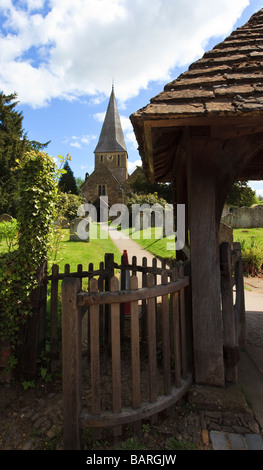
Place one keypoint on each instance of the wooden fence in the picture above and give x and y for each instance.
(233, 306)
(123, 382)
(104, 273)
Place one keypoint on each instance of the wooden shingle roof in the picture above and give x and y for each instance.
(226, 81)
(222, 93)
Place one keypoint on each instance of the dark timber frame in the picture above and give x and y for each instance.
(203, 133)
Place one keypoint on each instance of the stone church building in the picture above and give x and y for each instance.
(110, 175)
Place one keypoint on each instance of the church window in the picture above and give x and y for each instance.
(118, 160)
(102, 190)
(101, 158)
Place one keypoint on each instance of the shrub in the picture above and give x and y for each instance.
(36, 194)
(252, 256)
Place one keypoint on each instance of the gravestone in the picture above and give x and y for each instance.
(225, 233)
(79, 230)
(5, 218)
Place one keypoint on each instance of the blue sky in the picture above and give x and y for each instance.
(61, 58)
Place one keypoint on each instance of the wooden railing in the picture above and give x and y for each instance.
(163, 353)
(233, 306)
(103, 273)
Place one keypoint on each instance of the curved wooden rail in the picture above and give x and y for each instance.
(109, 419)
(89, 298)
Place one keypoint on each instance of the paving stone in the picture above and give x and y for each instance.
(254, 441)
(237, 442)
(218, 440)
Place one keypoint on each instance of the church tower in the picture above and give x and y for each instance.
(111, 148)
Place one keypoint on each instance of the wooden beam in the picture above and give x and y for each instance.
(224, 121)
(205, 265)
(149, 151)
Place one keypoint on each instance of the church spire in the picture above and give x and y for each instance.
(111, 137)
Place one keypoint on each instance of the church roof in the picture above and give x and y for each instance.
(226, 81)
(111, 137)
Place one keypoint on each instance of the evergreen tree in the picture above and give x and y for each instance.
(241, 195)
(13, 145)
(67, 182)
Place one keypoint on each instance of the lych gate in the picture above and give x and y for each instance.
(203, 133)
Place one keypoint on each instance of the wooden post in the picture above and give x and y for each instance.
(54, 318)
(205, 266)
(116, 356)
(151, 328)
(176, 333)
(71, 362)
(123, 287)
(229, 324)
(240, 312)
(101, 307)
(109, 266)
(166, 339)
(135, 349)
(94, 352)
(144, 305)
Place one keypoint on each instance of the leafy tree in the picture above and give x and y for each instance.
(241, 195)
(13, 146)
(67, 182)
(141, 185)
(67, 206)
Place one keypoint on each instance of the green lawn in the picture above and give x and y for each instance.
(248, 235)
(74, 253)
(159, 247)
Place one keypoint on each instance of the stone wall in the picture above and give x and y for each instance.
(102, 176)
(245, 217)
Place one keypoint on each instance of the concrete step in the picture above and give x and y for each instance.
(231, 441)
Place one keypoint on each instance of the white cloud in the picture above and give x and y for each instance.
(77, 46)
(79, 141)
(132, 165)
(100, 116)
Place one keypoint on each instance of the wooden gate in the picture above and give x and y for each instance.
(153, 365)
